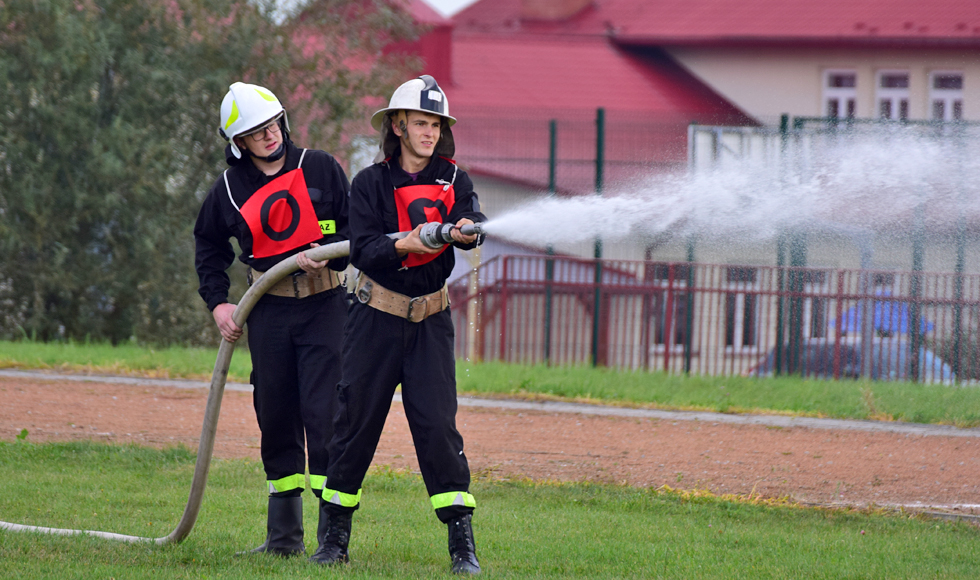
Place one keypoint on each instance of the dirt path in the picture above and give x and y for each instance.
(805, 464)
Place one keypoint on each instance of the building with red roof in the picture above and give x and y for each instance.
(510, 77)
(512, 67)
(768, 57)
(901, 22)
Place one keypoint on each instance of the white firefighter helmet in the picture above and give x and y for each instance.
(421, 94)
(244, 108)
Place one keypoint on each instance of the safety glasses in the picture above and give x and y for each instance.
(259, 134)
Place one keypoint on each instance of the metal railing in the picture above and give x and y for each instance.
(721, 319)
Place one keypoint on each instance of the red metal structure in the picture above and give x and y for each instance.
(722, 319)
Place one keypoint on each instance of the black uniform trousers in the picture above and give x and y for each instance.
(380, 351)
(295, 346)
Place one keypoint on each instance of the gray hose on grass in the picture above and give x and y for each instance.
(217, 390)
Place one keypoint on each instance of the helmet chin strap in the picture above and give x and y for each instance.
(274, 156)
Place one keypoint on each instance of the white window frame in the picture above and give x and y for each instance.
(739, 291)
(680, 293)
(948, 97)
(886, 281)
(846, 97)
(811, 303)
(894, 96)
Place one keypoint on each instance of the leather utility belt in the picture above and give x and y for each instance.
(412, 309)
(300, 285)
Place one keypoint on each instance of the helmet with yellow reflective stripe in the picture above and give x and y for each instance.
(247, 107)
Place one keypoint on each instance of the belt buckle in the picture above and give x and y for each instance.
(421, 300)
(364, 293)
(295, 286)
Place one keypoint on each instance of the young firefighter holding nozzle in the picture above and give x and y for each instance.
(278, 200)
(399, 328)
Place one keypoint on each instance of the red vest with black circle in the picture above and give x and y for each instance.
(419, 204)
(280, 215)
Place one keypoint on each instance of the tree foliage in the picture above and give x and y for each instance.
(108, 144)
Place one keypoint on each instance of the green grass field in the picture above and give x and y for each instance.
(125, 359)
(910, 402)
(523, 529)
(788, 395)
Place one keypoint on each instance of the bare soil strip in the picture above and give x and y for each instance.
(855, 463)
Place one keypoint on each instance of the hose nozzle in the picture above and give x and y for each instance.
(436, 235)
(472, 229)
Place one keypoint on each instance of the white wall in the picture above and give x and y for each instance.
(766, 82)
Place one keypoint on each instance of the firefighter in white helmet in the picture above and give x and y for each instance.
(278, 200)
(400, 330)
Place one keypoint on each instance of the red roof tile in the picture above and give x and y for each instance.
(909, 22)
(550, 73)
(506, 89)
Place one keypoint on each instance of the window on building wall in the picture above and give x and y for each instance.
(741, 307)
(892, 95)
(883, 281)
(946, 95)
(816, 307)
(678, 319)
(840, 94)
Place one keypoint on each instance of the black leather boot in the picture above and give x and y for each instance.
(333, 536)
(462, 546)
(284, 528)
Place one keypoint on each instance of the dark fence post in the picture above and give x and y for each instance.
(839, 318)
(600, 150)
(958, 293)
(781, 253)
(960, 264)
(689, 319)
(549, 264)
(797, 261)
(669, 316)
(915, 292)
(503, 310)
(689, 323)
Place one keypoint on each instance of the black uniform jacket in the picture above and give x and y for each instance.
(373, 215)
(218, 220)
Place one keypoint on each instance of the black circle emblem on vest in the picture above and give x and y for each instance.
(267, 207)
(416, 210)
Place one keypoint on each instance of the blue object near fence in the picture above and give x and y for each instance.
(891, 318)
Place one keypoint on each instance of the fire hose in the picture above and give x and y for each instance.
(433, 235)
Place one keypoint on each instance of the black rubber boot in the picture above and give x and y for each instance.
(284, 527)
(333, 536)
(462, 546)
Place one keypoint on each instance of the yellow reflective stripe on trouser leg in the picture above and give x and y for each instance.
(317, 481)
(441, 500)
(288, 483)
(340, 498)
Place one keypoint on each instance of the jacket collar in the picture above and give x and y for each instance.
(401, 178)
(252, 173)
